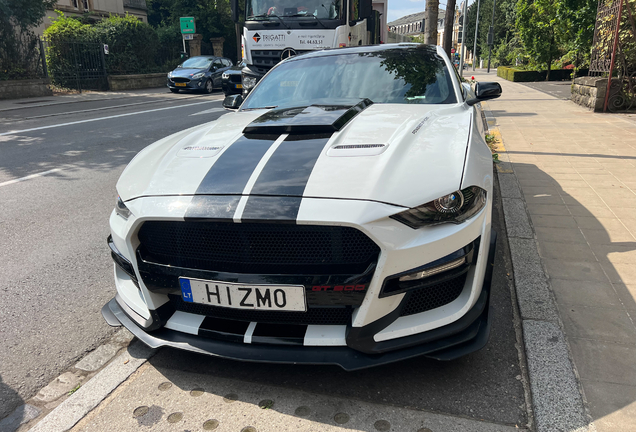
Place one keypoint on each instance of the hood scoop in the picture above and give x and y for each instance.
(313, 119)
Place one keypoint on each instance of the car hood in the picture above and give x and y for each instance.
(186, 73)
(401, 154)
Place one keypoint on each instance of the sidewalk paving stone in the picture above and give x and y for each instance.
(587, 242)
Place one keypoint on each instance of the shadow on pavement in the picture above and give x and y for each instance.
(503, 113)
(485, 385)
(9, 401)
(586, 264)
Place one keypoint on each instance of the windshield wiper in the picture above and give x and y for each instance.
(267, 16)
(307, 15)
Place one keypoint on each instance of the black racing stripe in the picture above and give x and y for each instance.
(284, 178)
(287, 171)
(228, 330)
(268, 209)
(230, 173)
(279, 334)
(220, 208)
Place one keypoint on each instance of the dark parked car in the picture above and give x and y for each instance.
(232, 83)
(198, 73)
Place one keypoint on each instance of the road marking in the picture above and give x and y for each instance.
(103, 108)
(103, 118)
(29, 177)
(211, 110)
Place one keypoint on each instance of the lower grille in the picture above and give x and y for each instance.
(235, 78)
(340, 315)
(180, 80)
(433, 296)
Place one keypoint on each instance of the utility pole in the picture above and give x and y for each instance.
(430, 22)
(449, 24)
(491, 33)
(464, 30)
(475, 44)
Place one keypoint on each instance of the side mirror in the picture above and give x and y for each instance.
(233, 102)
(485, 91)
(234, 5)
(366, 8)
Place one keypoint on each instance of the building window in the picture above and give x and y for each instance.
(75, 5)
(85, 2)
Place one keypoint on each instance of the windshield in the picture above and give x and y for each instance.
(263, 9)
(414, 75)
(197, 63)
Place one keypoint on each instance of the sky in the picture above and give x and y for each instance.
(399, 8)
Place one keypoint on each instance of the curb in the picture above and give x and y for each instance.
(557, 399)
(84, 400)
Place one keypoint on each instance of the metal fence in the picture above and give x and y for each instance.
(76, 65)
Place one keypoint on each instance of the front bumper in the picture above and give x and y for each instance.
(198, 84)
(463, 336)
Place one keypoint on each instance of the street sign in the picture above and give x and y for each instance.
(105, 49)
(188, 36)
(452, 50)
(187, 25)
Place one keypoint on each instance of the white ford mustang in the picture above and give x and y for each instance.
(341, 215)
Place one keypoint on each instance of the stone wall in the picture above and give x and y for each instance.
(131, 82)
(589, 92)
(16, 89)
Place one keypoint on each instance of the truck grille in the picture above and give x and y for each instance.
(258, 248)
(269, 58)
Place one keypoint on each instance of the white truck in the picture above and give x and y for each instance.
(277, 29)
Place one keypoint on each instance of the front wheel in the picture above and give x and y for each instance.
(174, 90)
(209, 87)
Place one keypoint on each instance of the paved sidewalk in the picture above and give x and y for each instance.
(577, 173)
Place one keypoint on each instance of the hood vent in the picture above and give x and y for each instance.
(199, 151)
(356, 150)
(313, 119)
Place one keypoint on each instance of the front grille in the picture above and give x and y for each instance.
(269, 58)
(433, 296)
(257, 248)
(235, 78)
(340, 315)
(180, 80)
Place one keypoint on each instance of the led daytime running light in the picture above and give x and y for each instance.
(433, 271)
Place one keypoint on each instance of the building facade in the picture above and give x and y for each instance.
(95, 10)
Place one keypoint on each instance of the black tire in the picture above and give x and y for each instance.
(174, 90)
(209, 87)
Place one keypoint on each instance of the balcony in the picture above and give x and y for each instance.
(136, 4)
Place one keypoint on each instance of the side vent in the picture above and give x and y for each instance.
(350, 150)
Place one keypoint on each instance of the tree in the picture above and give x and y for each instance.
(542, 30)
(18, 45)
(449, 21)
(430, 22)
(504, 31)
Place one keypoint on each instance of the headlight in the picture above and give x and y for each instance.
(455, 208)
(198, 75)
(225, 76)
(121, 209)
(249, 81)
(169, 74)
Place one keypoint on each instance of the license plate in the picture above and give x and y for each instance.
(243, 296)
(239, 86)
(180, 84)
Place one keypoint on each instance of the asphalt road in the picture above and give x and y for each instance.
(57, 271)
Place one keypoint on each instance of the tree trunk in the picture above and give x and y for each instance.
(449, 21)
(430, 23)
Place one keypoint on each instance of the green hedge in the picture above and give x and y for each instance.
(518, 75)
